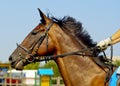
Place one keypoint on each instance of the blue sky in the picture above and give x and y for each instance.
(101, 18)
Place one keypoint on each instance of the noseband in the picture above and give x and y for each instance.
(36, 45)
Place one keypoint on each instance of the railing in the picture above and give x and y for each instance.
(58, 80)
(17, 81)
(8, 81)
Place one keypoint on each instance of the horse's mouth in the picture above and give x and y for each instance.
(17, 65)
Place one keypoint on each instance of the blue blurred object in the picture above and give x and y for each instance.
(115, 77)
(45, 72)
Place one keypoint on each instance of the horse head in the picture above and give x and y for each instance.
(38, 42)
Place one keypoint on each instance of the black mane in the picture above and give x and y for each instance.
(75, 27)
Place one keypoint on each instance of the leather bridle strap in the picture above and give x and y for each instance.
(44, 35)
(36, 45)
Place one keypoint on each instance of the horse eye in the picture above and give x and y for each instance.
(34, 32)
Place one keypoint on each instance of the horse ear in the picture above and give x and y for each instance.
(44, 19)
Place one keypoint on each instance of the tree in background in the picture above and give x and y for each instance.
(32, 66)
(117, 63)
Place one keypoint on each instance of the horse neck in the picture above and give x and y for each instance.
(77, 70)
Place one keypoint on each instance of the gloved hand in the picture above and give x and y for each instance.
(103, 45)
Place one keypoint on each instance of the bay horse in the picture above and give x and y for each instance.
(69, 45)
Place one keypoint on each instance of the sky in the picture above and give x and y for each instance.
(101, 18)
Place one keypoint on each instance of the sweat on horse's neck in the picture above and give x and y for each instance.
(77, 70)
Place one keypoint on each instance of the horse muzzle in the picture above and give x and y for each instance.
(18, 64)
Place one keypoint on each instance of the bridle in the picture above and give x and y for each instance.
(93, 51)
(36, 45)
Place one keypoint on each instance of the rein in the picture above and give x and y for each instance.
(52, 57)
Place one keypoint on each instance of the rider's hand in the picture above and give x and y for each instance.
(102, 45)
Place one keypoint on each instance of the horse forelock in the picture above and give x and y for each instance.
(75, 27)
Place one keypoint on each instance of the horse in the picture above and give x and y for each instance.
(67, 43)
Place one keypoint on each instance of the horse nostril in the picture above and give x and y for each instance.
(10, 58)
